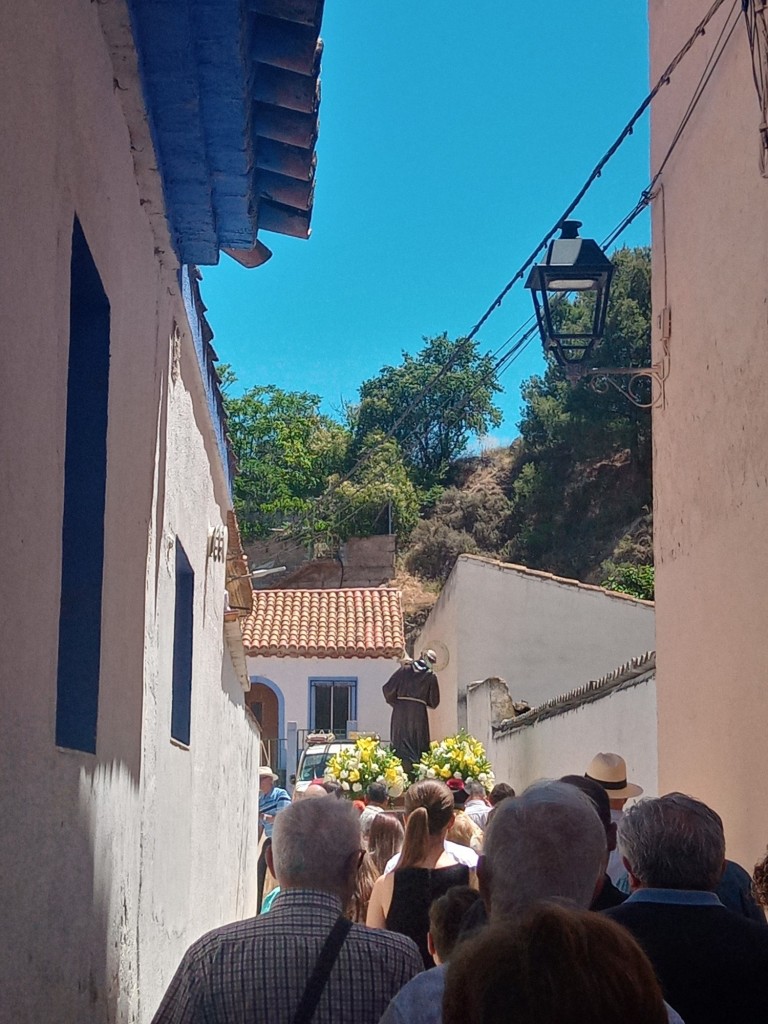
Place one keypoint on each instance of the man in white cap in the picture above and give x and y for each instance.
(610, 770)
(272, 800)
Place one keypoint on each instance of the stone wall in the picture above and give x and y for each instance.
(617, 714)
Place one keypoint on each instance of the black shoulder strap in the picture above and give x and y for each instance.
(319, 977)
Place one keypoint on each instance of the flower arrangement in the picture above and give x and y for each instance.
(460, 756)
(356, 767)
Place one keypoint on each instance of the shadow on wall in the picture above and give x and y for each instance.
(71, 895)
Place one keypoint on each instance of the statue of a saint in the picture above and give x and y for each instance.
(410, 691)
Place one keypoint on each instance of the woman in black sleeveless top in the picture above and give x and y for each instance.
(400, 900)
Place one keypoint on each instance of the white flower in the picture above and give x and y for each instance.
(344, 774)
(482, 776)
(430, 773)
(396, 789)
(469, 779)
(457, 775)
(380, 778)
(345, 786)
(374, 767)
(356, 787)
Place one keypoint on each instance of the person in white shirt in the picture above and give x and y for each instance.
(376, 798)
(476, 806)
(610, 770)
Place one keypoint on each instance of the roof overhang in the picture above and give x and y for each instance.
(232, 95)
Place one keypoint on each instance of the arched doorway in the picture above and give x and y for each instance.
(266, 701)
(263, 703)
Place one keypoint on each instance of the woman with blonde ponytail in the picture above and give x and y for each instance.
(425, 869)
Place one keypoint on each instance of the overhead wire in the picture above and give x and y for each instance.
(504, 361)
(757, 35)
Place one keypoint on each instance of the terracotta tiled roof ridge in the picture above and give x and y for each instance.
(350, 622)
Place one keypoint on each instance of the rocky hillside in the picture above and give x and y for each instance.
(572, 495)
(593, 524)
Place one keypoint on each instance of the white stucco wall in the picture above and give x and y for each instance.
(291, 676)
(200, 804)
(623, 722)
(110, 863)
(538, 632)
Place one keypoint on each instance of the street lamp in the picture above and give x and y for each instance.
(573, 265)
(578, 266)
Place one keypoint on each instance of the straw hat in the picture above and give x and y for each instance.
(610, 770)
(265, 772)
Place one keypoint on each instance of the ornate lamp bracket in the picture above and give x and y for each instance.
(627, 381)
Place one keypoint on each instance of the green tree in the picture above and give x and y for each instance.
(586, 456)
(379, 495)
(457, 405)
(286, 449)
(637, 580)
(576, 418)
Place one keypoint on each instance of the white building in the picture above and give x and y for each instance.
(318, 659)
(538, 631)
(615, 713)
(127, 758)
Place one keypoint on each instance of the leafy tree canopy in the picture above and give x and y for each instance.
(637, 580)
(576, 419)
(286, 449)
(437, 429)
(584, 467)
(363, 505)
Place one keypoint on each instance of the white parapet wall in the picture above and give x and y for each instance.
(614, 714)
(542, 633)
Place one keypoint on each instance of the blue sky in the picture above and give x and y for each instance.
(452, 135)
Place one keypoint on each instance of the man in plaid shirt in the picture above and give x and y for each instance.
(257, 970)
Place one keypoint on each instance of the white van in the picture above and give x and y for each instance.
(320, 748)
(314, 759)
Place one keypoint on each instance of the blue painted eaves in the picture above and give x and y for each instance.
(231, 89)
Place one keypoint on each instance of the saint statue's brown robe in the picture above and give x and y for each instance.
(410, 692)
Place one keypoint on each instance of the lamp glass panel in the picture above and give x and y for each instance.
(574, 285)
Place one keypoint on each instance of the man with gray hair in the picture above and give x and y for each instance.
(476, 807)
(303, 961)
(711, 962)
(547, 844)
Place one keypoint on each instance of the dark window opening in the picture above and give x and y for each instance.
(333, 704)
(85, 484)
(183, 623)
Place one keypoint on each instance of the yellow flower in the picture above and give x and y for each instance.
(446, 772)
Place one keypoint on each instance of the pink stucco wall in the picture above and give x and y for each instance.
(711, 439)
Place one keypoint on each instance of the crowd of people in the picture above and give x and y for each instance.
(557, 905)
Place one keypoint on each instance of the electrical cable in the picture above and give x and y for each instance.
(757, 35)
(592, 177)
(502, 364)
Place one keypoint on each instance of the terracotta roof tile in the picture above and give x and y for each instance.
(365, 622)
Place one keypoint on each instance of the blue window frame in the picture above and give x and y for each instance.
(183, 626)
(332, 703)
(85, 488)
